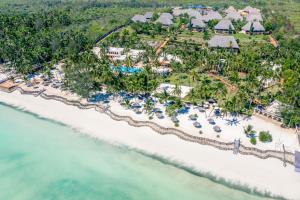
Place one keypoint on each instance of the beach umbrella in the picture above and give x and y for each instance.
(211, 121)
(159, 115)
(201, 109)
(136, 105)
(137, 111)
(174, 119)
(157, 110)
(193, 117)
(206, 106)
(217, 129)
(197, 124)
(211, 101)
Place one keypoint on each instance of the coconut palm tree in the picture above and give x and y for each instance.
(177, 90)
(248, 130)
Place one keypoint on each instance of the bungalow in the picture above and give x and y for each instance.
(212, 15)
(167, 15)
(148, 15)
(193, 13)
(234, 16)
(198, 24)
(254, 27)
(139, 18)
(177, 12)
(254, 17)
(224, 26)
(230, 9)
(220, 41)
(165, 19)
(251, 10)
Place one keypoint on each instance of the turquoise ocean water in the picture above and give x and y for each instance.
(44, 160)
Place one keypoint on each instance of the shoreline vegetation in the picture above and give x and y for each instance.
(287, 157)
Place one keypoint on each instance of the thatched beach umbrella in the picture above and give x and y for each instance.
(174, 119)
(211, 121)
(137, 111)
(201, 109)
(193, 117)
(217, 129)
(159, 115)
(197, 124)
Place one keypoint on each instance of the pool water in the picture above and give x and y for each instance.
(126, 70)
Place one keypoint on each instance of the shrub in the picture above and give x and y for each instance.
(265, 136)
(253, 141)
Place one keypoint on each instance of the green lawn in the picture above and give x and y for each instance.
(191, 37)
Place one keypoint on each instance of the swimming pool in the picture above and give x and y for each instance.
(127, 70)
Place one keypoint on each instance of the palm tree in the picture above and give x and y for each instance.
(165, 96)
(148, 106)
(177, 91)
(249, 130)
(194, 76)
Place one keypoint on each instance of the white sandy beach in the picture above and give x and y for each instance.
(267, 175)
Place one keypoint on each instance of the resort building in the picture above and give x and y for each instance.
(224, 26)
(251, 10)
(254, 17)
(198, 24)
(139, 18)
(177, 12)
(165, 19)
(220, 41)
(167, 15)
(234, 16)
(230, 9)
(148, 15)
(115, 51)
(212, 15)
(166, 59)
(135, 53)
(97, 52)
(254, 28)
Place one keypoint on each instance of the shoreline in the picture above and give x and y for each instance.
(263, 176)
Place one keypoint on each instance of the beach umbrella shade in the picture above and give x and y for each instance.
(217, 129)
(193, 117)
(201, 109)
(197, 124)
(206, 106)
(137, 111)
(174, 119)
(211, 101)
(159, 115)
(157, 110)
(211, 121)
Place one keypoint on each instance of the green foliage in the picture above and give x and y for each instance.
(36, 38)
(249, 131)
(253, 141)
(265, 136)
